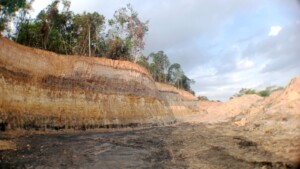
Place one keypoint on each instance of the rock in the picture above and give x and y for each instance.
(28, 146)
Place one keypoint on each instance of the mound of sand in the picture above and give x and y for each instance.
(214, 112)
(272, 122)
(253, 111)
(277, 118)
(282, 108)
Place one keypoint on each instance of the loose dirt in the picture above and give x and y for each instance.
(183, 145)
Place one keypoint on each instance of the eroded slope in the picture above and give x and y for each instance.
(41, 89)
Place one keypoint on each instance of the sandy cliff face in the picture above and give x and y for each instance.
(181, 102)
(42, 89)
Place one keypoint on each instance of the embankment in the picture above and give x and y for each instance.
(180, 102)
(40, 89)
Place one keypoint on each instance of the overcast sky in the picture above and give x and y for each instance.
(224, 45)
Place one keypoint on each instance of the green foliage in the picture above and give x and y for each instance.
(203, 98)
(144, 61)
(127, 26)
(268, 90)
(50, 30)
(263, 93)
(118, 50)
(29, 34)
(175, 73)
(159, 66)
(177, 77)
(87, 26)
(186, 83)
(8, 9)
(245, 91)
(11, 6)
(63, 32)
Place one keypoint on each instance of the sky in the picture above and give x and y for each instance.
(224, 45)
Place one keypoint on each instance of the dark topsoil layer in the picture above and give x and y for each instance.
(177, 146)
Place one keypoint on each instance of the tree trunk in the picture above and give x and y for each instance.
(89, 40)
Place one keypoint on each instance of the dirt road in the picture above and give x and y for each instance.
(179, 146)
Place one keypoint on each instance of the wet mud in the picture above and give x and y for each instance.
(178, 146)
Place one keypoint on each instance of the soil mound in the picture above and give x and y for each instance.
(277, 117)
(214, 112)
(281, 107)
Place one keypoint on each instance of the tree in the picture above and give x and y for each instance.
(29, 34)
(268, 90)
(244, 91)
(87, 28)
(177, 78)
(144, 61)
(8, 9)
(118, 49)
(186, 83)
(50, 30)
(159, 66)
(175, 74)
(21, 17)
(63, 32)
(203, 98)
(127, 26)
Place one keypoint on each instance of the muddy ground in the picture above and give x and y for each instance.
(185, 145)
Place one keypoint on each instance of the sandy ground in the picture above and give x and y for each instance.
(183, 145)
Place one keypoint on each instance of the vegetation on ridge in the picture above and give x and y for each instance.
(263, 93)
(62, 31)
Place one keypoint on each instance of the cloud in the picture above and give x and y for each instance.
(274, 31)
(186, 21)
(256, 63)
(245, 64)
(279, 52)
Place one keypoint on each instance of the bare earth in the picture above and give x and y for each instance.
(184, 145)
